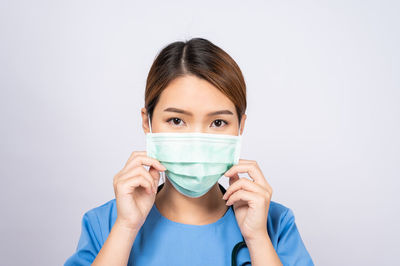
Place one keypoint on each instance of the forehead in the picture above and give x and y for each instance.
(192, 93)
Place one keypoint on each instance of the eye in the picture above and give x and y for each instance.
(175, 121)
(218, 122)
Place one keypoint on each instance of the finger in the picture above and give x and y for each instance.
(251, 169)
(257, 166)
(245, 184)
(145, 173)
(246, 196)
(144, 160)
(141, 158)
(128, 185)
(156, 174)
(245, 161)
(139, 171)
(134, 154)
(234, 178)
(251, 198)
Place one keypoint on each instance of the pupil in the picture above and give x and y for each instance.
(218, 122)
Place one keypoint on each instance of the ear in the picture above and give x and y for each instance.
(145, 120)
(242, 123)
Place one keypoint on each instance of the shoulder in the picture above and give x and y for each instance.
(100, 219)
(102, 210)
(279, 216)
(96, 225)
(286, 237)
(277, 211)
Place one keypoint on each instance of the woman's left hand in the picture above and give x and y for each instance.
(250, 199)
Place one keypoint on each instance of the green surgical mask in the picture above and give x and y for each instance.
(195, 161)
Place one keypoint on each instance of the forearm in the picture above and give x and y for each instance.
(117, 247)
(262, 252)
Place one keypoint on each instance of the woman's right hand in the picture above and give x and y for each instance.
(135, 189)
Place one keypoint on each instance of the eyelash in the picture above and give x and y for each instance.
(168, 121)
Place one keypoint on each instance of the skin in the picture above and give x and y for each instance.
(135, 187)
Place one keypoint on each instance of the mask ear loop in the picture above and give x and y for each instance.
(148, 117)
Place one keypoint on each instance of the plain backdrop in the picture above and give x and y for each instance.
(323, 113)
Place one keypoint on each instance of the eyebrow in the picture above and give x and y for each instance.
(177, 110)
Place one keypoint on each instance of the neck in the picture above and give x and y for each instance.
(197, 211)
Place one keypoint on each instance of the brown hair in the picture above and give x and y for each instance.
(201, 58)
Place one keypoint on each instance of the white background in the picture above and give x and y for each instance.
(323, 113)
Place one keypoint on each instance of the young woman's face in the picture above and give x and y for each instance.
(190, 104)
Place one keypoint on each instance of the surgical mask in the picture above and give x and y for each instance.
(195, 161)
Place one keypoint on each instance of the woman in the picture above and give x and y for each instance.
(194, 92)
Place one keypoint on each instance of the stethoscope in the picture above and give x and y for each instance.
(238, 245)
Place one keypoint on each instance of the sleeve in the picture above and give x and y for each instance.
(88, 244)
(290, 248)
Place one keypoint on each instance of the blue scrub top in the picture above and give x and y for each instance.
(161, 241)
